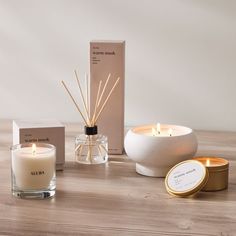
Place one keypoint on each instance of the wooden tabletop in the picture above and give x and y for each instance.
(113, 199)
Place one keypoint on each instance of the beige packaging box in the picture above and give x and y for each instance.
(109, 57)
(43, 131)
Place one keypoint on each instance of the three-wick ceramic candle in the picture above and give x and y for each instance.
(218, 169)
(157, 148)
(33, 170)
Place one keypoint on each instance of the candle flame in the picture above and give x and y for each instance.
(208, 162)
(170, 131)
(153, 132)
(33, 148)
(158, 128)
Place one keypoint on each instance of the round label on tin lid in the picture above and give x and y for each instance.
(186, 178)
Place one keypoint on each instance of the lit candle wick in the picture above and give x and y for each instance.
(158, 128)
(33, 149)
(208, 162)
(153, 132)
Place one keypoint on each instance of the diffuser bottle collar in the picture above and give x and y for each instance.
(91, 130)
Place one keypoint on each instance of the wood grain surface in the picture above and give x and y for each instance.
(113, 199)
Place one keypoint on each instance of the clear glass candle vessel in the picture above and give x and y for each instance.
(91, 147)
(33, 170)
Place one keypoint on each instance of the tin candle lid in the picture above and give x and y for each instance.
(186, 178)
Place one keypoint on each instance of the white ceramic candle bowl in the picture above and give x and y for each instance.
(155, 155)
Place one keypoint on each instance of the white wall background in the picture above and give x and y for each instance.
(180, 57)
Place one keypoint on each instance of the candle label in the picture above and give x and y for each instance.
(186, 176)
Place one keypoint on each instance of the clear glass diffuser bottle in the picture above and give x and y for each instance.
(91, 147)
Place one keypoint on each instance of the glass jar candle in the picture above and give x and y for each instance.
(33, 170)
(91, 147)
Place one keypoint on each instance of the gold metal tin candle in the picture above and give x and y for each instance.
(218, 169)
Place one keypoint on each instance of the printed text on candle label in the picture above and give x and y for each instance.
(186, 176)
(182, 174)
(41, 172)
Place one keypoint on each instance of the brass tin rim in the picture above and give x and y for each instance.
(193, 190)
(222, 167)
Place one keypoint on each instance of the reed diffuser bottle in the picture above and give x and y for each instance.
(91, 147)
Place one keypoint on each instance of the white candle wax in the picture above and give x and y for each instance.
(33, 171)
(164, 133)
(165, 130)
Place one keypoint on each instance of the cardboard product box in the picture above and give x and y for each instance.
(43, 131)
(109, 57)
